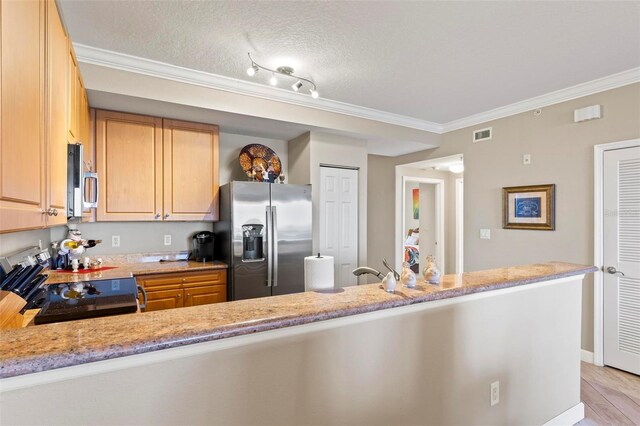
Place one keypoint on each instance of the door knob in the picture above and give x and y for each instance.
(611, 270)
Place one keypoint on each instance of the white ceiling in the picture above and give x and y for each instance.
(435, 61)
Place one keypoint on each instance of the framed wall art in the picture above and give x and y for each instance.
(529, 207)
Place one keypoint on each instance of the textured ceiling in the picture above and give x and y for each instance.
(436, 61)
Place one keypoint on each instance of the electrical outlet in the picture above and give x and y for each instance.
(115, 241)
(495, 393)
(167, 240)
(526, 159)
(485, 234)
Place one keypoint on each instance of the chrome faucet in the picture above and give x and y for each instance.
(366, 270)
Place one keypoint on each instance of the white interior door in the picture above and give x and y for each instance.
(621, 243)
(339, 221)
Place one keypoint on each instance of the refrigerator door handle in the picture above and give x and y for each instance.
(274, 234)
(268, 253)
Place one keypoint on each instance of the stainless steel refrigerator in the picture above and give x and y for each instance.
(264, 234)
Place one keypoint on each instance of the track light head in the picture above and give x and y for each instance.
(252, 70)
(296, 86)
(273, 80)
(314, 94)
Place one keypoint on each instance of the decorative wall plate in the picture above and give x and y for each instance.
(255, 158)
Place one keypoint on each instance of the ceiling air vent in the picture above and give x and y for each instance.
(482, 134)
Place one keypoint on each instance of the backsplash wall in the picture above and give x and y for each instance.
(16, 241)
(136, 237)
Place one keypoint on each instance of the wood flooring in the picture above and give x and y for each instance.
(610, 396)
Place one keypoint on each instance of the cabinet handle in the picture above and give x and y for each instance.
(179, 296)
(157, 216)
(188, 295)
(166, 215)
(50, 211)
(55, 212)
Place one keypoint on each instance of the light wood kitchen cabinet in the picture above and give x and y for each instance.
(22, 149)
(205, 295)
(155, 169)
(190, 171)
(129, 162)
(73, 87)
(35, 85)
(57, 107)
(182, 289)
(164, 299)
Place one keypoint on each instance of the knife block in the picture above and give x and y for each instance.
(10, 306)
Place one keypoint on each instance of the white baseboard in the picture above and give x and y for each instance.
(586, 356)
(569, 418)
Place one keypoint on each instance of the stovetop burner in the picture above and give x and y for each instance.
(89, 299)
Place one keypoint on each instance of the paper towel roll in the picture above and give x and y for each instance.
(318, 273)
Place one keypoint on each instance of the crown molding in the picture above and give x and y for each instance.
(121, 61)
(124, 62)
(583, 89)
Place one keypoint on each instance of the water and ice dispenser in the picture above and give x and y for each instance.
(252, 242)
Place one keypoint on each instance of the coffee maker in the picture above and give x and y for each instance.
(203, 246)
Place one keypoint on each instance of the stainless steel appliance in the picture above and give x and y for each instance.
(27, 257)
(82, 187)
(264, 234)
(203, 246)
(89, 299)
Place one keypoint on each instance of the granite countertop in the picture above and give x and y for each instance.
(46, 347)
(134, 265)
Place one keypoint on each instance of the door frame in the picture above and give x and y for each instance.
(440, 219)
(459, 225)
(598, 255)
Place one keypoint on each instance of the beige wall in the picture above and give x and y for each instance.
(426, 364)
(308, 152)
(561, 153)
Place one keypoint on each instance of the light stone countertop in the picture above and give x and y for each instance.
(129, 269)
(46, 347)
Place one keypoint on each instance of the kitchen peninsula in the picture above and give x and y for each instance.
(443, 345)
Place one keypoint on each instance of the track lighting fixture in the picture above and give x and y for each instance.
(252, 70)
(287, 72)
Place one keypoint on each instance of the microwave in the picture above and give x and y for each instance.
(82, 187)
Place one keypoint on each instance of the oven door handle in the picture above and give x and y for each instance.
(144, 297)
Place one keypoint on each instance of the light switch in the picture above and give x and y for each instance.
(526, 159)
(485, 234)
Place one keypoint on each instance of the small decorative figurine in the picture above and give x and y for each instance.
(389, 282)
(431, 273)
(407, 277)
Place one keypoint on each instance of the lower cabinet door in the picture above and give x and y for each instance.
(164, 299)
(204, 295)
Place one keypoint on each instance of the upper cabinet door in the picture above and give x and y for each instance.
(129, 163)
(190, 171)
(22, 156)
(57, 107)
(73, 87)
